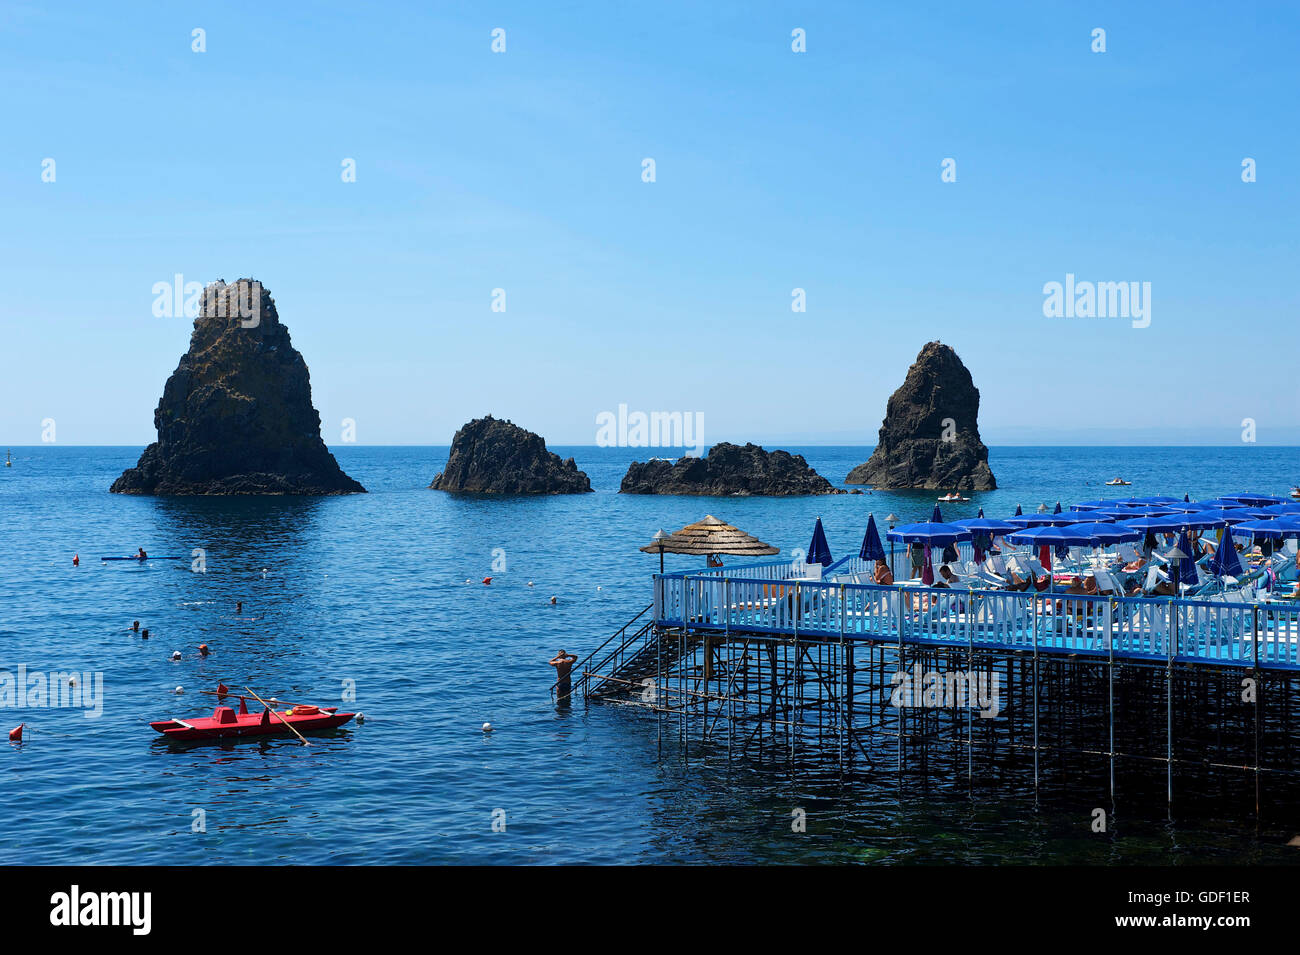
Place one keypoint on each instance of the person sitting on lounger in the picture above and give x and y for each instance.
(882, 574)
(947, 577)
(1136, 564)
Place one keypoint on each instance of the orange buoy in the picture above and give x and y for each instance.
(76, 560)
(487, 580)
(203, 650)
(16, 734)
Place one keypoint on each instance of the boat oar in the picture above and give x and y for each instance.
(238, 696)
(278, 716)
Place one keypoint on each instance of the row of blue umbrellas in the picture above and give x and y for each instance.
(1258, 515)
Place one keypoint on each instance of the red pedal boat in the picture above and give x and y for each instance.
(225, 723)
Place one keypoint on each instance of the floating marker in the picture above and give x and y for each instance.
(487, 580)
(176, 654)
(203, 650)
(360, 717)
(16, 734)
(530, 583)
(179, 690)
(487, 727)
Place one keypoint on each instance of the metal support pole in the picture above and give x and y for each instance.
(1259, 689)
(1110, 706)
(1169, 702)
(1034, 605)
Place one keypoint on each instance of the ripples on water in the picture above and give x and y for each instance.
(372, 588)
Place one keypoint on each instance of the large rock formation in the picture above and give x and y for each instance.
(491, 456)
(728, 470)
(236, 415)
(930, 437)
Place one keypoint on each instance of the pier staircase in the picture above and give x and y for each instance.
(617, 667)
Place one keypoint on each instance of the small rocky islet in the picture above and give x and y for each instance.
(728, 470)
(236, 416)
(492, 456)
(930, 437)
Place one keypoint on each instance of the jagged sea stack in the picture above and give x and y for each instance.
(491, 456)
(930, 437)
(236, 415)
(729, 471)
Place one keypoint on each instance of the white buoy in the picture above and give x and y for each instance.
(176, 654)
(179, 690)
(598, 588)
(360, 717)
(487, 727)
(530, 583)
(468, 581)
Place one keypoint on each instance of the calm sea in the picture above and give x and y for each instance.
(371, 591)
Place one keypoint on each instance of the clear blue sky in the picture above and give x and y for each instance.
(775, 170)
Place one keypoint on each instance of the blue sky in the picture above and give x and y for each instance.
(775, 170)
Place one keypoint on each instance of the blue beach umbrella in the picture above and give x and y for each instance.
(1220, 518)
(1221, 502)
(1274, 530)
(1290, 508)
(819, 552)
(1100, 534)
(1185, 567)
(1226, 562)
(1127, 513)
(1063, 536)
(1158, 525)
(1199, 520)
(1256, 500)
(872, 549)
(987, 525)
(930, 533)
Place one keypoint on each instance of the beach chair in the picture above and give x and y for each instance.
(1106, 584)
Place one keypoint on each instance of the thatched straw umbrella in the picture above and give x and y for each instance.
(707, 538)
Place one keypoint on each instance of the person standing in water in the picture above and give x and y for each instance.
(563, 663)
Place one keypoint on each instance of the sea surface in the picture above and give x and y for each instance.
(382, 593)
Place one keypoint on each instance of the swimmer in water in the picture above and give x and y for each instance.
(135, 626)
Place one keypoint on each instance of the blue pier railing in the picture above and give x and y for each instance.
(1205, 631)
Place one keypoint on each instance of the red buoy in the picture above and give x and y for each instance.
(487, 580)
(16, 735)
(76, 560)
